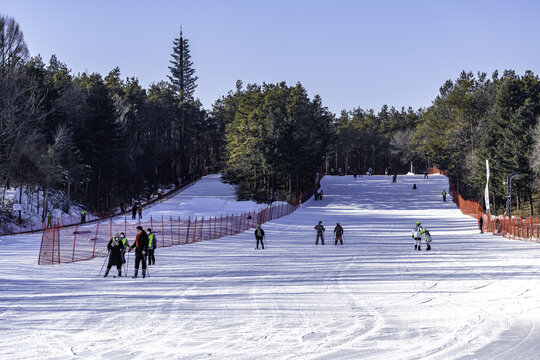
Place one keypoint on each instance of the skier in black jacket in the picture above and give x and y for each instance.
(338, 230)
(259, 235)
(141, 247)
(115, 247)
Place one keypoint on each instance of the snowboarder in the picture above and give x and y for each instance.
(141, 246)
(259, 236)
(427, 239)
(417, 235)
(83, 216)
(320, 230)
(152, 241)
(134, 212)
(115, 248)
(444, 195)
(481, 224)
(338, 230)
(125, 242)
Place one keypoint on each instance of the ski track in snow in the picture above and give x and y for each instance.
(474, 296)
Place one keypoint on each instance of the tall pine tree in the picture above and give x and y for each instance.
(182, 75)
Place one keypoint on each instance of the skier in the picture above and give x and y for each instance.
(417, 235)
(321, 194)
(259, 236)
(370, 171)
(320, 230)
(427, 239)
(414, 186)
(444, 195)
(83, 216)
(394, 178)
(481, 224)
(425, 175)
(49, 220)
(134, 211)
(338, 230)
(152, 240)
(115, 248)
(125, 242)
(141, 245)
(140, 211)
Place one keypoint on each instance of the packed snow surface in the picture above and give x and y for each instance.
(474, 296)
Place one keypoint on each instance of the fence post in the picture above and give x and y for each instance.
(162, 230)
(202, 229)
(95, 240)
(195, 231)
(221, 225)
(226, 224)
(172, 233)
(52, 252)
(74, 242)
(187, 230)
(58, 243)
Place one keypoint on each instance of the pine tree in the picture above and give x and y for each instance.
(182, 75)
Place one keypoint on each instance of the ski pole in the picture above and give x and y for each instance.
(102, 266)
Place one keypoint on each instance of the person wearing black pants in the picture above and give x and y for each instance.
(259, 235)
(141, 247)
(115, 247)
(152, 240)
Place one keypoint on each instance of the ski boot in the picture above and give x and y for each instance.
(419, 249)
(144, 273)
(415, 247)
(106, 273)
(135, 275)
(428, 247)
(119, 272)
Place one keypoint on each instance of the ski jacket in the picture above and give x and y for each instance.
(417, 231)
(125, 242)
(338, 230)
(427, 236)
(141, 242)
(259, 233)
(319, 228)
(152, 239)
(115, 248)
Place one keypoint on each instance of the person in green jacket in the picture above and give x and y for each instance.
(152, 241)
(444, 195)
(125, 242)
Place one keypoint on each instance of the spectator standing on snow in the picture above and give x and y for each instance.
(370, 171)
(320, 233)
(83, 216)
(125, 242)
(427, 239)
(134, 211)
(481, 224)
(338, 230)
(139, 209)
(115, 248)
(152, 241)
(417, 235)
(259, 236)
(141, 246)
(49, 220)
(444, 195)
(321, 194)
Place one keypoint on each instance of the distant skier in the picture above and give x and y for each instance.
(152, 243)
(370, 172)
(141, 246)
(338, 230)
(83, 216)
(140, 211)
(427, 239)
(394, 178)
(414, 186)
(417, 235)
(134, 212)
(259, 236)
(444, 195)
(321, 193)
(425, 175)
(481, 224)
(115, 248)
(125, 242)
(320, 233)
(49, 221)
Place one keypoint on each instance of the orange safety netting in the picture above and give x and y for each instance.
(86, 241)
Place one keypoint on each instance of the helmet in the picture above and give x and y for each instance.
(418, 223)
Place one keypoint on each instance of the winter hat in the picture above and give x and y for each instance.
(149, 230)
(117, 235)
(139, 227)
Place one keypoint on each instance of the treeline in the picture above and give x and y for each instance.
(98, 140)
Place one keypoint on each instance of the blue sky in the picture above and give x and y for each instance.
(352, 53)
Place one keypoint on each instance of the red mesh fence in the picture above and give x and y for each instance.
(527, 229)
(86, 241)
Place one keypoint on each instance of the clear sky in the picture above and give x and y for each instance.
(352, 53)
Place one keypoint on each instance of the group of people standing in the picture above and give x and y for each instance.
(338, 231)
(144, 244)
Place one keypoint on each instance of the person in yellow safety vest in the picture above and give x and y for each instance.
(49, 221)
(83, 216)
(427, 238)
(417, 235)
(152, 240)
(123, 238)
(444, 195)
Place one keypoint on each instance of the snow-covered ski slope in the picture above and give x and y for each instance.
(474, 296)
